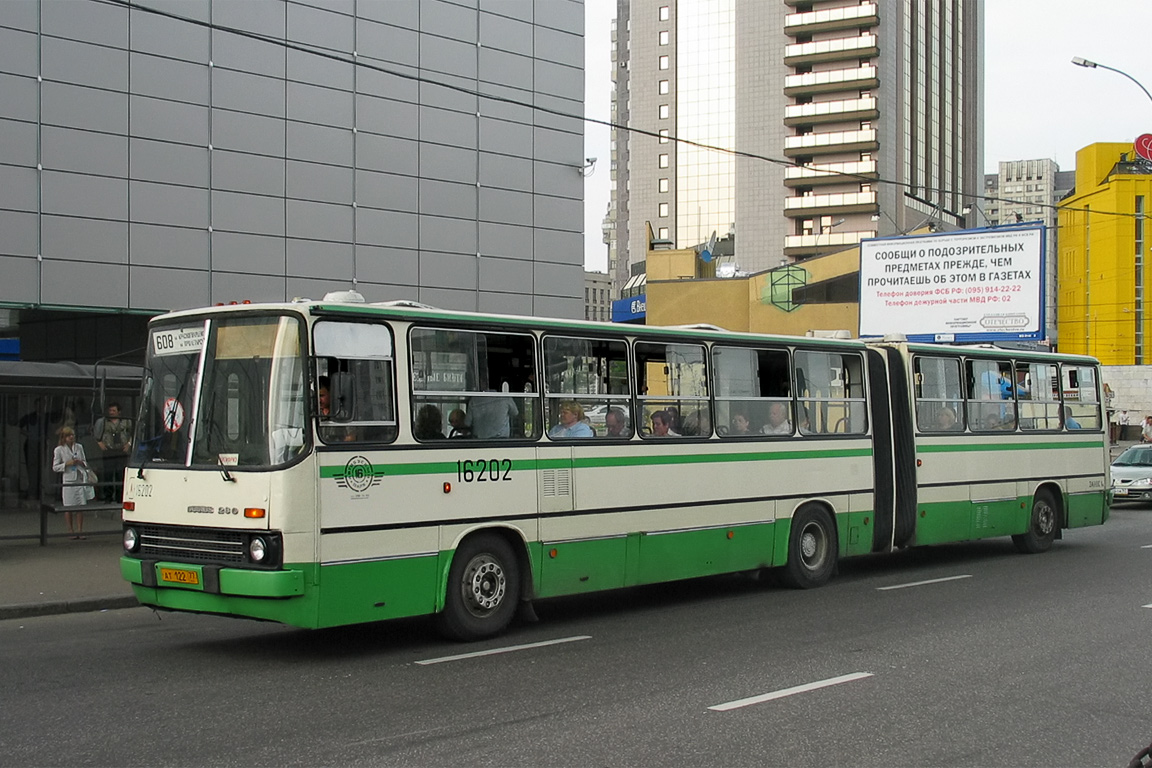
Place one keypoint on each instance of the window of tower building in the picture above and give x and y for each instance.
(664, 13)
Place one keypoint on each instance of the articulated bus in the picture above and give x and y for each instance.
(322, 463)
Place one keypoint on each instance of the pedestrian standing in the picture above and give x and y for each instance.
(69, 461)
(1146, 430)
(115, 441)
(1117, 422)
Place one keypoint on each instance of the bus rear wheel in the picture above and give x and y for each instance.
(1041, 526)
(811, 549)
(483, 589)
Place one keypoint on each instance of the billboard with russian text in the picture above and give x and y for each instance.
(972, 285)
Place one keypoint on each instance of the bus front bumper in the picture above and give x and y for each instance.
(212, 579)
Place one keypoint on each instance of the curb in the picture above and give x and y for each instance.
(83, 605)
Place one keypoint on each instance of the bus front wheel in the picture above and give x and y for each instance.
(483, 589)
(1041, 526)
(811, 549)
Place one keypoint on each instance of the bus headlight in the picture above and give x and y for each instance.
(131, 540)
(257, 549)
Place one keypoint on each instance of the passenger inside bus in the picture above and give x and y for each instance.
(697, 424)
(778, 422)
(993, 421)
(491, 416)
(946, 420)
(616, 423)
(324, 398)
(429, 423)
(741, 427)
(458, 423)
(1069, 421)
(662, 425)
(572, 424)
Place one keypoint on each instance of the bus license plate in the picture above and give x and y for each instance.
(179, 576)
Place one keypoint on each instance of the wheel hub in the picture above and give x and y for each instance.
(1045, 519)
(813, 545)
(484, 585)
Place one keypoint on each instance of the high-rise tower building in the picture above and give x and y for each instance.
(844, 119)
(1027, 191)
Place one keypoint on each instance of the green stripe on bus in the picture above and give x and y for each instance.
(705, 458)
(531, 465)
(966, 447)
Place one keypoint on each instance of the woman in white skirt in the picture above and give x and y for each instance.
(68, 459)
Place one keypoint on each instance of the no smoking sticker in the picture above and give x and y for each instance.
(173, 415)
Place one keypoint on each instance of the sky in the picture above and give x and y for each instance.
(1037, 104)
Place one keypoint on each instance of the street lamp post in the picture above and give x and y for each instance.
(1139, 306)
(1081, 62)
(828, 230)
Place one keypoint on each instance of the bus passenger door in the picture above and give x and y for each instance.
(894, 452)
(576, 556)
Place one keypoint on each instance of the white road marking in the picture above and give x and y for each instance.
(922, 583)
(1146, 546)
(789, 691)
(508, 649)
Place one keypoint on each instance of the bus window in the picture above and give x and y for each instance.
(938, 395)
(672, 380)
(830, 386)
(1081, 397)
(593, 375)
(354, 382)
(482, 384)
(991, 391)
(753, 388)
(1038, 392)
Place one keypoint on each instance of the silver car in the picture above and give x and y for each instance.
(1132, 474)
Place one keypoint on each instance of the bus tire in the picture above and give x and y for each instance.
(483, 589)
(1041, 525)
(812, 549)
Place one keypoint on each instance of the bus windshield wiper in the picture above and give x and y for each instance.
(224, 470)
(146, 451)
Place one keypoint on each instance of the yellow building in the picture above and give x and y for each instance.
(1101, 274)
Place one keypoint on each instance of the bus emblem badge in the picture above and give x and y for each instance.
(359, 475)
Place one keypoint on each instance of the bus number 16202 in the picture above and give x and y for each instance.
(483, 470)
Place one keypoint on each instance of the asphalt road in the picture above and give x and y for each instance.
(1001, 660)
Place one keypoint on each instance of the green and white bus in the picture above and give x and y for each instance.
(333, 462)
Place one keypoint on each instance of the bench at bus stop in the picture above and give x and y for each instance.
(54, 505)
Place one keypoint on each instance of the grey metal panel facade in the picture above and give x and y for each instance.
(153, 163)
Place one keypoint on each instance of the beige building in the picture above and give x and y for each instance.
(819, 294)
(597, 296)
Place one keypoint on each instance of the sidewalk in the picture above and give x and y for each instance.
(66, 575)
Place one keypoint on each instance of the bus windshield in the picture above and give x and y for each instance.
(223, 392)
